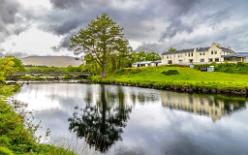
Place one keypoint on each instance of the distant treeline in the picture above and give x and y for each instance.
(50, 73)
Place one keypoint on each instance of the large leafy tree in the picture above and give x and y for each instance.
(101, 40)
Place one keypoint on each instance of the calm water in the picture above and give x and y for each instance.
(95, 119)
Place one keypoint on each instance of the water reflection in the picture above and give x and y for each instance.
(101, 123)
(110, 120)
(212, 106)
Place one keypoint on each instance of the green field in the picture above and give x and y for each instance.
(174, 77)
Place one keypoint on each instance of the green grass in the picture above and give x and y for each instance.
(154, 77)
(14, 137)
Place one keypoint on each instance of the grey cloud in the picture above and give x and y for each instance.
(62, 4)
(8, 11)
(159, 24)
(11, 23)
(134, 21)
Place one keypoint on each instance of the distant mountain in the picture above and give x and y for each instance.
(56, 61)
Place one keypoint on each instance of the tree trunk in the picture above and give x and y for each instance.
(103, 73)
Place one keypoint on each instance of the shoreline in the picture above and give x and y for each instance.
(174, 88)
(184, 89)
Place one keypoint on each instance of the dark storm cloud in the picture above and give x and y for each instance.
(11, 22)
(137, 21)
(65, 3)
(159, 24)
(8, 11)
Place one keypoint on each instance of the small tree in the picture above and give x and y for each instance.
(9, 66)
(152, 56)
(100, 40)
(172, 49)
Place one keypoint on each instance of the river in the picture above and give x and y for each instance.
(108, 119)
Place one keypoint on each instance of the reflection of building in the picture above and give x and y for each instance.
(203, 105)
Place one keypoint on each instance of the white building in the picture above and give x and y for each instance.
(147, 63)
(215, 53)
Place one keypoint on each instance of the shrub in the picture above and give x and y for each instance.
(170, 72)
(5, 151)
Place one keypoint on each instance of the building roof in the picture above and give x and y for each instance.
(245, 54)
(233, 56)
(142, 62)
(157, 61)
(226, 49)
(179, 51)
(200, 49)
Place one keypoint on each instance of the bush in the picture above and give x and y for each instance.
(170, 72)
(5, 151)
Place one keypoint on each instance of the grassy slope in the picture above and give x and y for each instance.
(152, 76)
(14, 137)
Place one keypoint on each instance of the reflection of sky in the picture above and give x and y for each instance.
(151, 129)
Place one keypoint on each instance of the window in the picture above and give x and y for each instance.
(190, 60)
(217, 60)
(202, 60)
(215, 52)
(210, 60)
(191, 54)
(180, 61)
(170, 62)
(212, 52)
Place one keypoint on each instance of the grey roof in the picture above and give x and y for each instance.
(179, 51)
(142, 62)
(233, 55)
(243, 54)
(227, 49)
(146, 62)
(200, 49)
(157, 61)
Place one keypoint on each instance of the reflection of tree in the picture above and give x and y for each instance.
(101, 125)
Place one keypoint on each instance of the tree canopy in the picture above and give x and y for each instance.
(9, 65)
(172, 49)
(144, 56)
(103, 43)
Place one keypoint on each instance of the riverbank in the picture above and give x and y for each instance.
(15, 138)
(181, 79)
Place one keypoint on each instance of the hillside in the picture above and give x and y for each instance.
(56, 61)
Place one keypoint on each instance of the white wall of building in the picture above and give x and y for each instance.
(195, 56)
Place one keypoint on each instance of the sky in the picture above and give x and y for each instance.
(44, 27)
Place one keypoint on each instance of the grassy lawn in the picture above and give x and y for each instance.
(186, 77)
